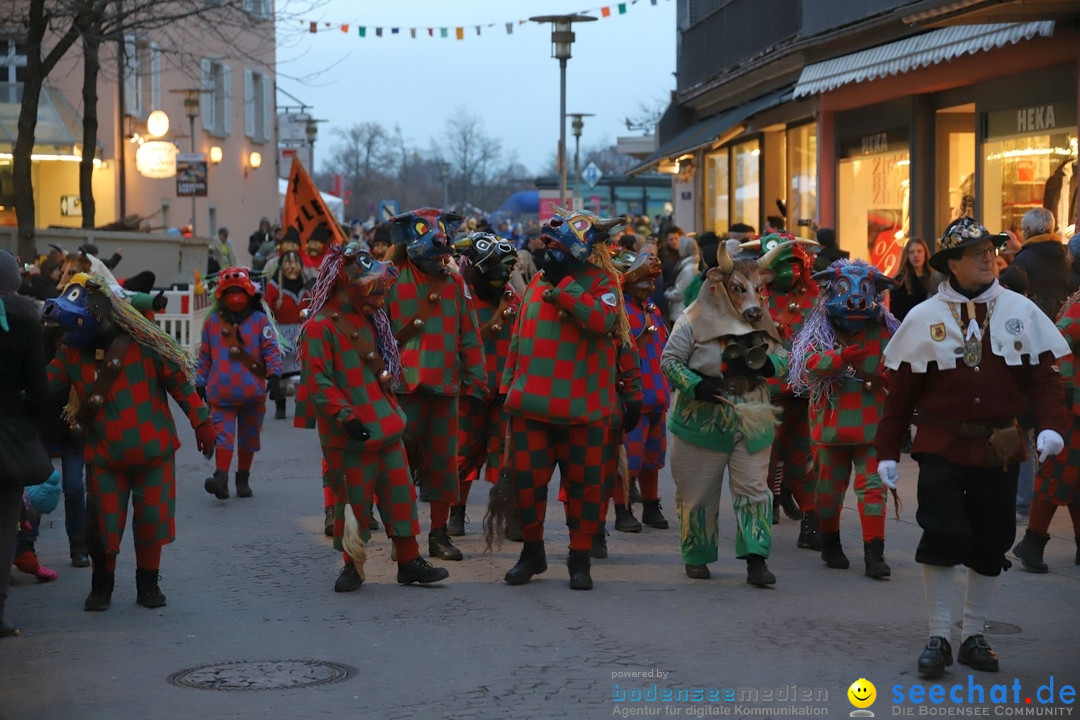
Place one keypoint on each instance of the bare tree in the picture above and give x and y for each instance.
(473, 154)
(363, 155)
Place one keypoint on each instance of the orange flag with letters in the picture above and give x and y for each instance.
(306, 212)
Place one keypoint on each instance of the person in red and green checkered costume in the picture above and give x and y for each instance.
(835, 361)
(442, 356)
(118, 368)
(792, 294)
(486, 263)
(351, 365)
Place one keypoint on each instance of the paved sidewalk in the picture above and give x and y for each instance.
(251, 581)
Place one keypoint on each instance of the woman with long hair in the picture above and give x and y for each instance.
(913, 281)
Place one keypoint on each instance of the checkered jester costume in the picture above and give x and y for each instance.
(239, 365)
(119, 368)
(350, 367)
(442, 357)
(834, 361)
(560, 385)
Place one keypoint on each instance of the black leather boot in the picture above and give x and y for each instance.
(832, 552)
(149, 594)
(279, 411)
(533, 561)
(625, 520)
(218, 486)
(243, 490)
(441, 546)
(1030, 551)
(101, 587)
(455, 526)
(578, 563)
(809, 534)
(936, 656)
(874, 558)
(757, 571)
(651, 515)
(80, 556)
(348, 579)
(599, 544)
(420, 571)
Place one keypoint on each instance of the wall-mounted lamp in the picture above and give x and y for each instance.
(157, 123)
(255, 159)
(215, 154)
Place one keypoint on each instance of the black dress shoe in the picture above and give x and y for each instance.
(420, 571)
(348, 579)
(977, 654)
(440, 546)
(936, 656)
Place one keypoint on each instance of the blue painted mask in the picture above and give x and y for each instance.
(576, 233)
(426, 234)
(852, 293)
(72, 312)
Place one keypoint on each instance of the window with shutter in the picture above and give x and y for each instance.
(249, 103)
(226, 99)
(267, 108)
(132, 101)
(207, 98)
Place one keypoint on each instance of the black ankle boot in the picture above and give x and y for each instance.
(243, 490)
(599, 544)
(279, 412)
(874, 558)
(533, 561)
(936, 656)
(757, 572)
(80, 556)
(1030, 552)
(348, 579)
(809, 533)
(101, 588)
(651, 515)
(577, 562)
(218, 486)
(420, 571)
(149, 594)
(832, 552)
(455, 526)
(328, 521)
(441, 546)
(625, 520)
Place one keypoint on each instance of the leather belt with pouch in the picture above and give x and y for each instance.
(230, 336)
(1003, 438)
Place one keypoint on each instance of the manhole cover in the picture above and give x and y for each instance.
(996, 627)
(261, 675)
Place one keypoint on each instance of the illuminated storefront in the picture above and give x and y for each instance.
(874, 190)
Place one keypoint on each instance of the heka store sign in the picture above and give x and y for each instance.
(191, 175)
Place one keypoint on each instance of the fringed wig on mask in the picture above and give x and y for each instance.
(366, 282)
(791, 265)
(424, 236)
(639, 272)
(852, 295)
(486, 262)
(88, 308)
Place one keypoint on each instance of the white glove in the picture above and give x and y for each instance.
(1048, 443)
(887, 470)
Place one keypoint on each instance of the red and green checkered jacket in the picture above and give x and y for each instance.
(656, 392)
(227, 381)
(850, 414)
(338, 385)
(1069, 325)
(446, 356)
(789, 311)
(496, 344)
(562, 364)
(135, 426)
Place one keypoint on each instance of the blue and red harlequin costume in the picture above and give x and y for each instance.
(239, 361)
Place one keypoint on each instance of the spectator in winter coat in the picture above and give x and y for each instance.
(260, 237)
(1045, 260)
(685, 271)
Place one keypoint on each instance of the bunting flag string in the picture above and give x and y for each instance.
(458, 31)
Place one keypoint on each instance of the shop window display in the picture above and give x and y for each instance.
(874, 187)
(1025, 172)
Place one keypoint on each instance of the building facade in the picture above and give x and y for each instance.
(883, 119)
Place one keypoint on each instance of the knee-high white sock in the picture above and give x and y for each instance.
(980, 588)
(938, 589)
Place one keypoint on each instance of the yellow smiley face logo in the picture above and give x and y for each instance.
(862, 693)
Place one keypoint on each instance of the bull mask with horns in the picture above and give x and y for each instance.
(852, 293)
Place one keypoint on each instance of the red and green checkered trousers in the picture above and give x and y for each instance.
(791, 451)
(578, 450)
(1058, 481)
(481, 439)
(433, 421)
(834, 465)
(248, 416)
(151, 491)
(360, 474)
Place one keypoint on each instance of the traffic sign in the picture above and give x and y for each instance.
(591, 174)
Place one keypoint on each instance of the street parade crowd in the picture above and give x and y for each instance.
(430, 352)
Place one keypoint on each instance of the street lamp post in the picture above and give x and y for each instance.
(191, 109)
(577, 125)
(311, 131)
(562, 38)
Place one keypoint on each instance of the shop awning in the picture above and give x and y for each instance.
(913, 53)
(59, 125)
(704, 132)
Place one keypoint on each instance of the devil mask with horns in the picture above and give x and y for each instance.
(639, 272)
(791, 265)
(425, 234)
(80, 311)
(486, 263)
(574, 234)
(851, 292)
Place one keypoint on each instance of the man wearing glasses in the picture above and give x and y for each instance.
(968, 360)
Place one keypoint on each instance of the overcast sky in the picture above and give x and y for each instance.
(620, 63)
